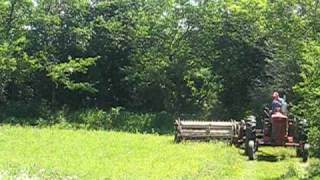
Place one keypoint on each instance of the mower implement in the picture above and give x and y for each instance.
(277, 129)
(208, 130)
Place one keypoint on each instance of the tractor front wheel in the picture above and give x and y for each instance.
(251, 149)
(305, 152)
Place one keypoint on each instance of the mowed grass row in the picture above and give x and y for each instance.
(80, 154)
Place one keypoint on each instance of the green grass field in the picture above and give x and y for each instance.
(50, 153)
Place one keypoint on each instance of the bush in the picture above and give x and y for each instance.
(133, 122)
(143, 122)
(92, 119)
(308, 92)
(163, 122)
(20, 112)
(19, 120)
(97, 119)
(314, 169)
(314, 139)
(118, 119)
(20, 109)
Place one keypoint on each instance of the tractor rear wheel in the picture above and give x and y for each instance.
(298, 152)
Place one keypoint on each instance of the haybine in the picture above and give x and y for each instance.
(276, 129)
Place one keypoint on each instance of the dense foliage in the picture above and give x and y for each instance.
(219, 58)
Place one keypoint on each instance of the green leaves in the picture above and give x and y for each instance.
(308, 89)
(214, 57)
(6, 62)
(62, 73)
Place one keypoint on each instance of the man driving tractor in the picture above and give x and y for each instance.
(277, 103)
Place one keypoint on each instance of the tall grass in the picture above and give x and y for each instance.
(51, 153)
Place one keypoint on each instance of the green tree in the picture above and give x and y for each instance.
(308, 90)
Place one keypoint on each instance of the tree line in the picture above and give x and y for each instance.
(220, 58)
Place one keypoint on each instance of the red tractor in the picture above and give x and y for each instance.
(278, 129)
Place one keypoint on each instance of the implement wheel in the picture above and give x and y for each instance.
(177, 138)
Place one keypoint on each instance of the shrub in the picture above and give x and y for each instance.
(20, 109)
(314, 139)
(115, 118)
(92, 119)
(163, 122)
(314, 169)
(134, 122)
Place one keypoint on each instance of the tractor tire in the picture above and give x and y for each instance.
(246, 147)
(298, 152)
(249, 136)
(251, 150)
(305, 153)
